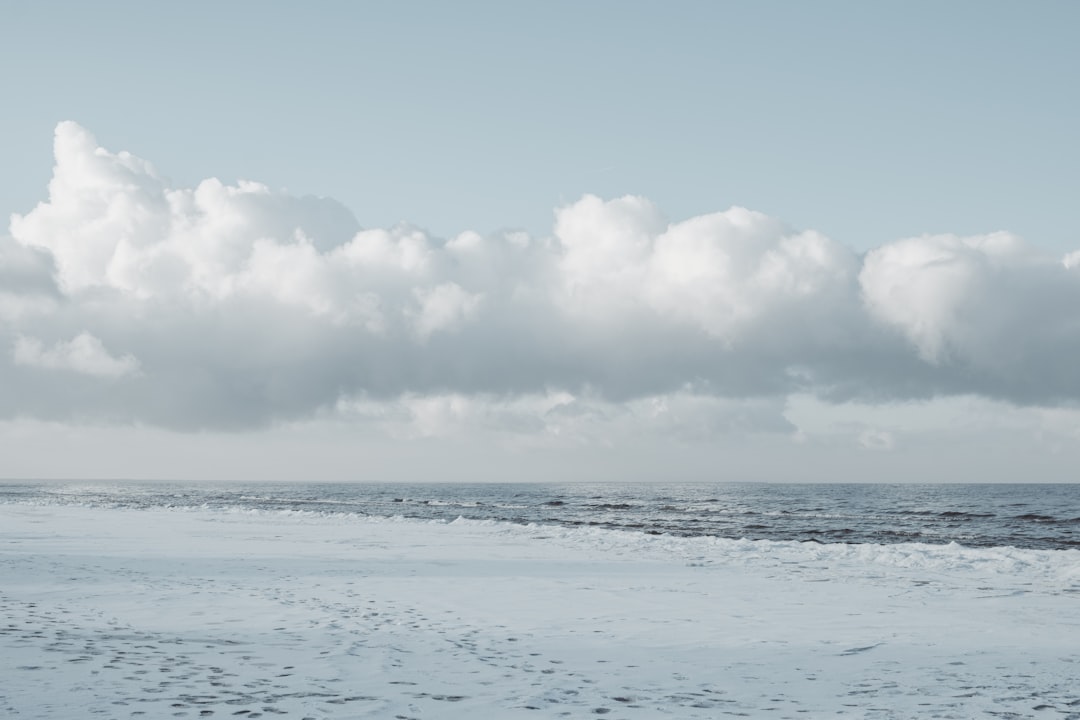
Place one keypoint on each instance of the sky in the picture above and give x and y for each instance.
(624, 241)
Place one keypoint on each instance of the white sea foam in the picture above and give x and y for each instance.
(703, 549)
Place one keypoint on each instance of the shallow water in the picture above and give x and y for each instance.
(975, 515)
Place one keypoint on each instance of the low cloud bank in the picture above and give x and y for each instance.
(232, 306)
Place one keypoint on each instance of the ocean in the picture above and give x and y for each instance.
(1033, 516)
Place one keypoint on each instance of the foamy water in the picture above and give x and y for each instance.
(1023, 516)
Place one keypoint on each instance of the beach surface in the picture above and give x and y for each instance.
(120, 613)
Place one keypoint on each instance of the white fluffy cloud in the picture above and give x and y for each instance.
(722, 274)
(238, 305)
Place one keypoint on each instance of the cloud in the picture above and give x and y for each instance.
(444, 307)
(236, 305)
(83, 354)
(26, 281)
(561, 419)
(876, 440)
(988, 314)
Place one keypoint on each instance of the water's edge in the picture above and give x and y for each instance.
(1022, 516)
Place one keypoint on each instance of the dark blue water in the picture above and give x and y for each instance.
(1027, 516)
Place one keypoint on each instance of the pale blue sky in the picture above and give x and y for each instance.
(866, 121)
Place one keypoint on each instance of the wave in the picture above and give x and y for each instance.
(1049, 519)
(901, 554)
(765, 516)
(1054, 571)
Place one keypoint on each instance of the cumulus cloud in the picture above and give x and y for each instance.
(988, 314)
(722, 273)
(235, 305)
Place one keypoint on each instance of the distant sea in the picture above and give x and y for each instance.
(1020, 515)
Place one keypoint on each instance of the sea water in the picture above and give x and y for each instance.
(1036, 516)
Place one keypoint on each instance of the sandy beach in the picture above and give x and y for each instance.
(165, 613)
